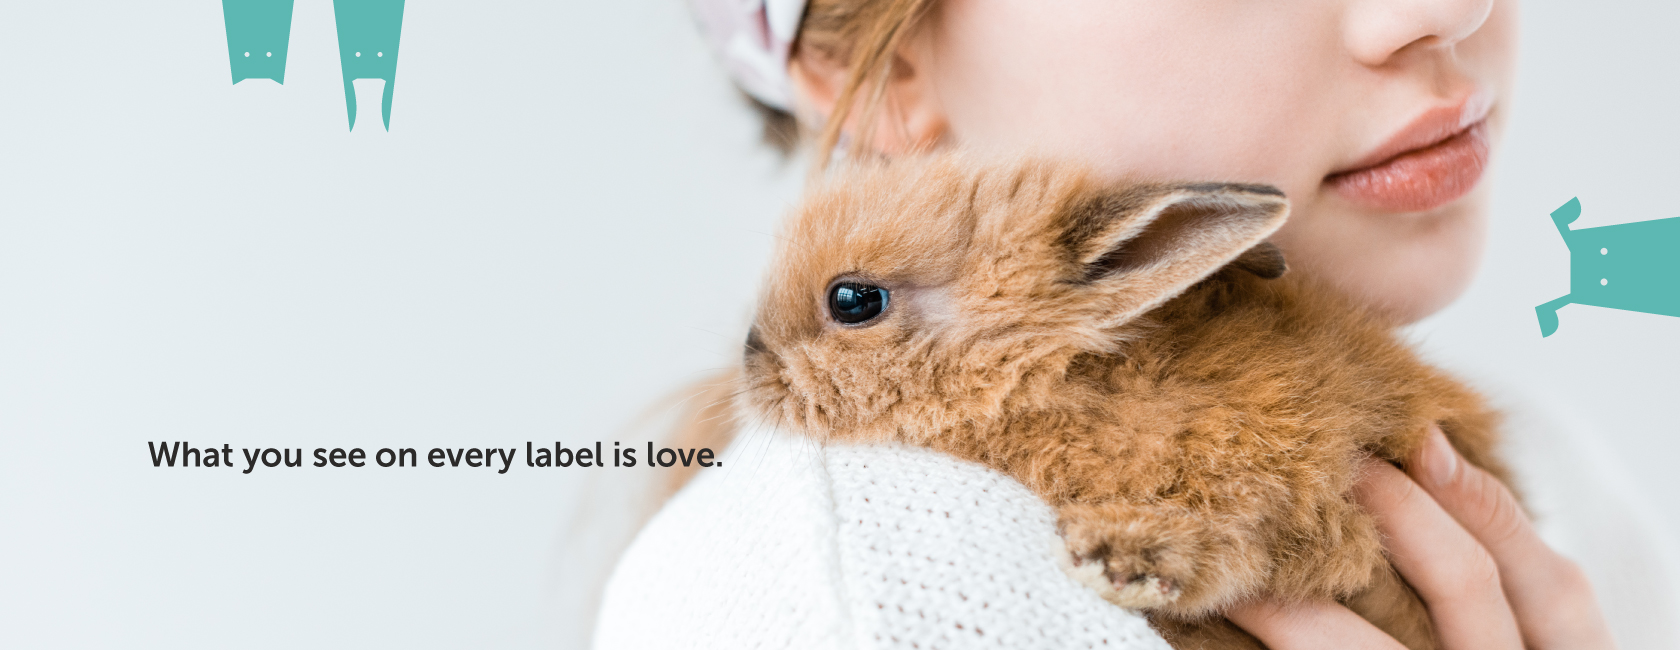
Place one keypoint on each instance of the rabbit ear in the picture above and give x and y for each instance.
(1264, 260)
(1141, 246)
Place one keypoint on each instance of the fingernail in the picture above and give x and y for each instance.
(1440, 460)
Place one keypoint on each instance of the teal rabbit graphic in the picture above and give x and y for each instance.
(368, 31)
(257, 34)
(1631, 266)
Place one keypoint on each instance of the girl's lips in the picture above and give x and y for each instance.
(1420, 179)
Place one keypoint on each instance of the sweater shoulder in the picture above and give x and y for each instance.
(792, 544)
(742, 557)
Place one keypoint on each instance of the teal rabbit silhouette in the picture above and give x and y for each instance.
(1630, 266)
(368, 32)
(258, 32)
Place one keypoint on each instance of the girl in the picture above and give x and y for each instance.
(1375, 118)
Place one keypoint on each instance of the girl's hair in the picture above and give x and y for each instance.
(861, 35)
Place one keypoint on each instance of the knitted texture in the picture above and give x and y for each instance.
(941, 553)
(792, 545)
(744, 557)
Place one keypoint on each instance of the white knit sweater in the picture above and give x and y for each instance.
(794, 545)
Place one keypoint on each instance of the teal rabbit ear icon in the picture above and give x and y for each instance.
(1631, 266)
(368, 32)
(257, 34)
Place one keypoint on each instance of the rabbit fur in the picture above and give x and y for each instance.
(1126, 351)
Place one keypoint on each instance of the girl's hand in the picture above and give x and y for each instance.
(1460, 539)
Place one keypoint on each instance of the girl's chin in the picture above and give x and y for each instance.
(1406, 265)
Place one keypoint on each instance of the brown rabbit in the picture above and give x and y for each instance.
(1122, 350)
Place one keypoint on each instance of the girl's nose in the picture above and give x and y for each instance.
(1377, 30)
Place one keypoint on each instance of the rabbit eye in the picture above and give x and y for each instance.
(852, 303)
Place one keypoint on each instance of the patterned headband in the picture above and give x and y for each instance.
(754, 39)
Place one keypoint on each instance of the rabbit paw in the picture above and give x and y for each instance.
(1136, 562)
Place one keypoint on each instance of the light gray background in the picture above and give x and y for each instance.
(567, 218)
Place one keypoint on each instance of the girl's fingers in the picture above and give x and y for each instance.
(1550, 596)
(1450, 570)
(1309, 625)
(1460, 539)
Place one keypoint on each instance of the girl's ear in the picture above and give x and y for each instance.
(909, 118)
(1141, 246)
